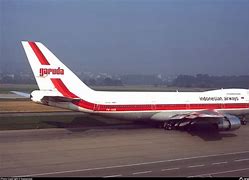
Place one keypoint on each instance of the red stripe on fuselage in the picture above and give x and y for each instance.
(39, 54)
(161, 107)
(60, 86)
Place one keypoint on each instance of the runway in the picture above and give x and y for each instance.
(123, 152)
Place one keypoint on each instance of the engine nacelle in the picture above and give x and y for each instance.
(229, 123)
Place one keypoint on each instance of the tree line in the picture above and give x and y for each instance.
(207, 81)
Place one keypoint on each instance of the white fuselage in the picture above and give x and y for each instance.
(143, 105)
(59, 86)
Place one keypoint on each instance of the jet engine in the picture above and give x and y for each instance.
(229, 123)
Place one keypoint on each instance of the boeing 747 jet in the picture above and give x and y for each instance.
(60, 87)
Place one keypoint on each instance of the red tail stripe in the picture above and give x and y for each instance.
(39, 54)
(60, 86)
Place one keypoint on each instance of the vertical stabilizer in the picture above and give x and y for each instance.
(50, 73)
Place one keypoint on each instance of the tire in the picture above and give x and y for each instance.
(167, 127)
(170, 127)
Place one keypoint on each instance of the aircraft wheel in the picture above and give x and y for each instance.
(243, 120)
(167, 125)
(170, 127)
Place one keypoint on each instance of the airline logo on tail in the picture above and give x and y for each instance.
(47, 71)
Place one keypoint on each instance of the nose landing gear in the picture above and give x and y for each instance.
(243, 120)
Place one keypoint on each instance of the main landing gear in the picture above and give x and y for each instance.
(176, 125)
(168, 125)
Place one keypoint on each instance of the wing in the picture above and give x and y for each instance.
(223, 122)
(164, 116)
(199, 115)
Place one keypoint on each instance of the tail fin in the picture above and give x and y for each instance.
(50, 73)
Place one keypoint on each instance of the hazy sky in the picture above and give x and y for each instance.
(130, 36)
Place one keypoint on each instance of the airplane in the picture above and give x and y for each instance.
(225, 109)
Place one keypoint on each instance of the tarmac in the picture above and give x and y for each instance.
(126, 151)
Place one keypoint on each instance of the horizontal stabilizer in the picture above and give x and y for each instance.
(60, 99)
(26, 95)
